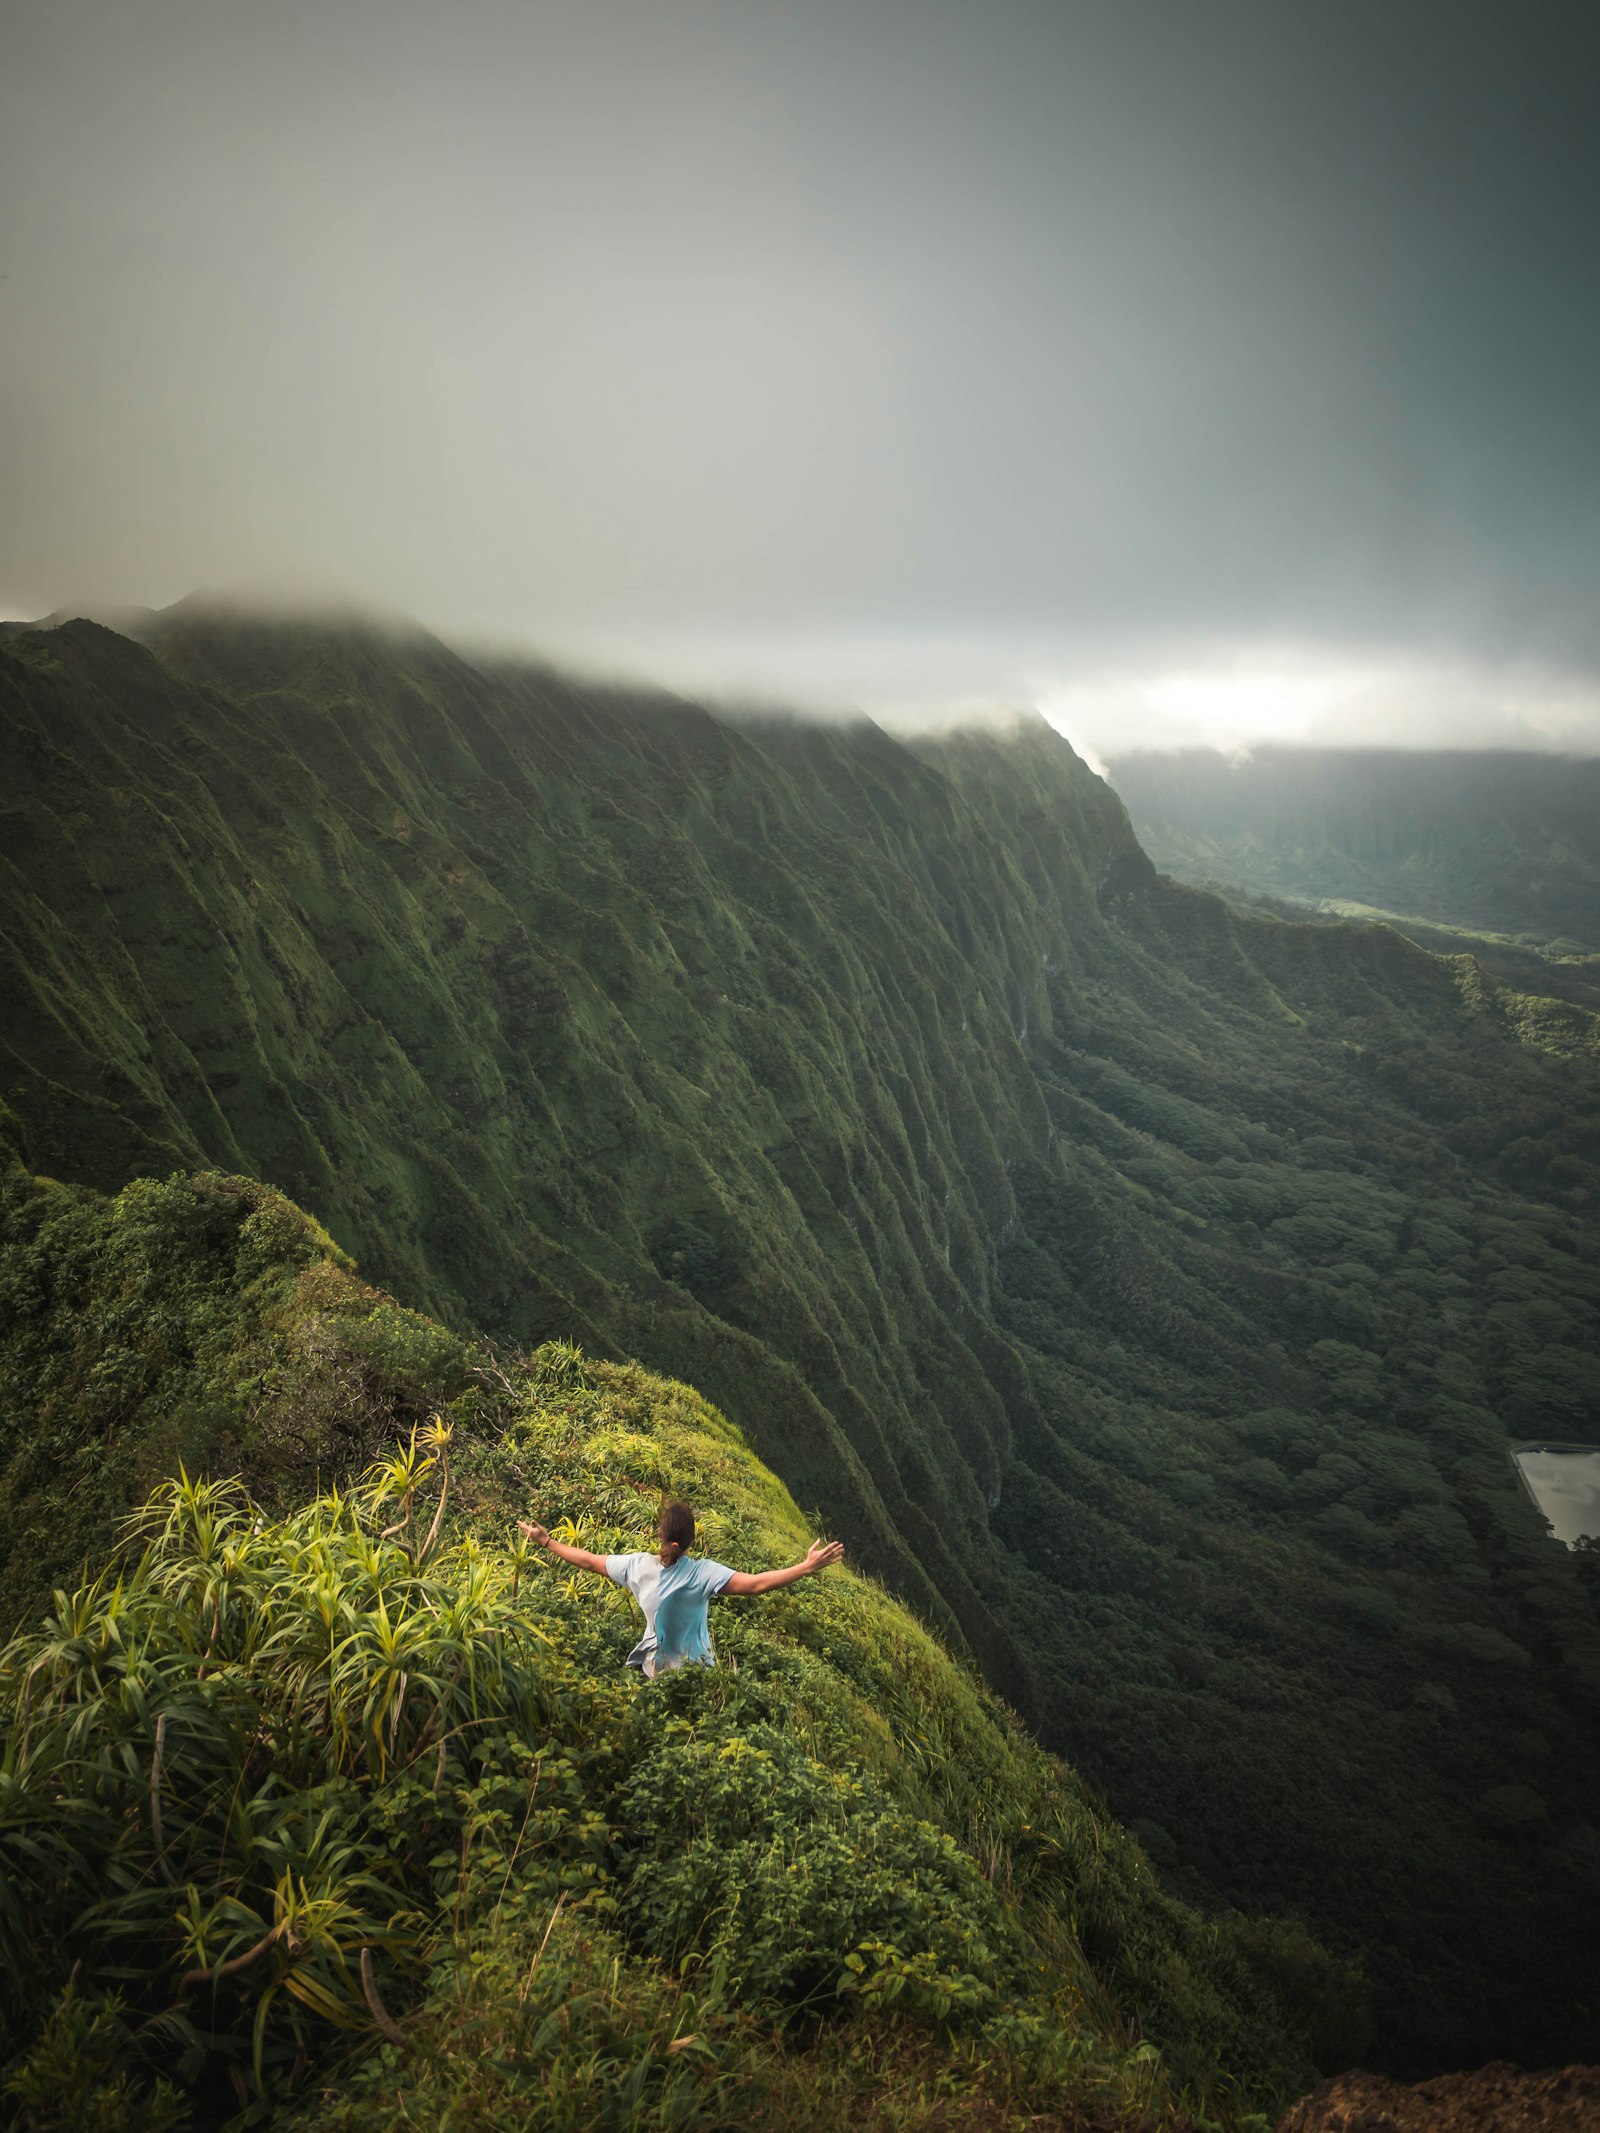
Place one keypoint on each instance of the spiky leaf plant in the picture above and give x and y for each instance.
(194, 1741)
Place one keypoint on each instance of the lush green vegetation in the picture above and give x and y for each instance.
(1542, 973)
(1146, 1289)
(339, 1809)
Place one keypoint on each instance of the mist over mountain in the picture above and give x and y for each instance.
(1146, 1288)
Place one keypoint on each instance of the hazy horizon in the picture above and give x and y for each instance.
(1201, 376)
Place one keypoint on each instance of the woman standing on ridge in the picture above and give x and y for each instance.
(674, 1589)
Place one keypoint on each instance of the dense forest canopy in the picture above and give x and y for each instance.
(1148, 1289)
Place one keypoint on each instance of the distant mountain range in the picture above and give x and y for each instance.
(1495, 842)
(1146, 1287)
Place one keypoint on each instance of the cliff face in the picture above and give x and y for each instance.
(1145, 1290)
(567, 1011)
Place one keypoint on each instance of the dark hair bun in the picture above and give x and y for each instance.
(675, 1531)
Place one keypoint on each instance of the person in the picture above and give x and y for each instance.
(674, 1589)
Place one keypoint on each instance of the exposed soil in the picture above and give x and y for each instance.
(1495, 2099)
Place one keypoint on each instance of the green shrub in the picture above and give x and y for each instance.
(778, 1871)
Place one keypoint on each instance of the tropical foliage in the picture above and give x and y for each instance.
(299, 1805)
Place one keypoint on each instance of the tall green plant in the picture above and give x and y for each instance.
(190, 1741)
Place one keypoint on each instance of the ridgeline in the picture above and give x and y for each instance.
(1145, 1289)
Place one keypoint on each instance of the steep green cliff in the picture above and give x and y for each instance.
(1145, 1290)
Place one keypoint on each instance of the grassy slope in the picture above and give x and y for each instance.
(834, 1882)
(1145, 1288)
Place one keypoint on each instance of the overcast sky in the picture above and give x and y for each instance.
(1193, 368)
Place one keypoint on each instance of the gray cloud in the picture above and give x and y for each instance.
(1003, 348)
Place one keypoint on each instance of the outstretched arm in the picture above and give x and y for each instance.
(580, 1558)
(744, 1583)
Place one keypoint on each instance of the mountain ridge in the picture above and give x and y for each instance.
(1146, 1288)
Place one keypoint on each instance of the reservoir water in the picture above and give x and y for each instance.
(1564, 1481)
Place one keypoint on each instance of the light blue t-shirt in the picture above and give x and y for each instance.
(674, 1598)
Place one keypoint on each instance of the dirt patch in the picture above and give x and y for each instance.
(1495, 2099)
